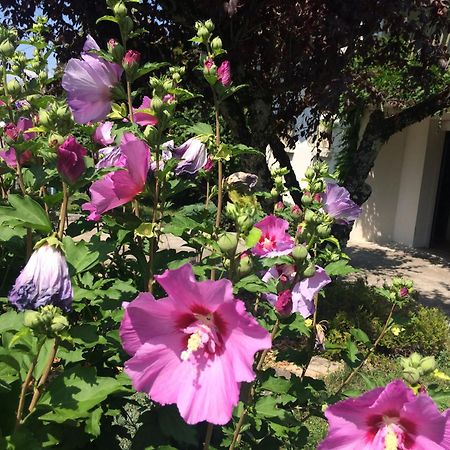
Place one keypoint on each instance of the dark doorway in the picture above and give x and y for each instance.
(440, 235)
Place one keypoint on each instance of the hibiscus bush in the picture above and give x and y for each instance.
(144, 284)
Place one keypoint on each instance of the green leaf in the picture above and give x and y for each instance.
(173, 425)
(277, 385)
(92, 425)
(253, 237)
(25, 212)
(339, 268)
(267, 407)
(149, 67)
(11, 320)
(75, 392)
(107, 18)
(201, 129)
(360, 336)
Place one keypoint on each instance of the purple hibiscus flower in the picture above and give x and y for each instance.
(338, 204)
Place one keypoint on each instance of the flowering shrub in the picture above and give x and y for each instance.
(97, 307)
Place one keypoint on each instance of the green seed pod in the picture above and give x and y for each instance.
(227, 243)
(411, 375)
(299, 253)
(310, 271)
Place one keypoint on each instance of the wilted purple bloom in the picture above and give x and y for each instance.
(10, 158)
(224, 73)
(338, 204)
(302, 298)
(70, 162)
(192, 155)
(43, 281)
(110, 157)
(22, 104)
(102, 134)
(88, 83)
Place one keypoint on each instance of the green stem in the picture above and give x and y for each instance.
(5, 89)
(25, 386)
(130, 102)
(369, 353)
(63, 211)
(312, 338)
(44, 376)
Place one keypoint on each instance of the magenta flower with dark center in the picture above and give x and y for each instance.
(192, 348)
(274, 240)
(224, 73)
(70, 162)
(43, 281)
(89, 82)
(387, 418)
(338, 204)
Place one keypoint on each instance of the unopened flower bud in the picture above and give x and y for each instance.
(228, 243)
(245, 266)
(404, 292)
(309, 173)
(55, 140)
(203, 33)
(428, 364)
(306, 199)
(310, 216)
(59, 324)
(283, 305)
(216, 43)
(299, 253)
(323, 230)
(7, 48)
(411, 375)
(44, 117)
(157, 104)
(279, 206)
(31, 319)
(209, 24)
(274, 193)
(415, 359)
(310, 271)
(131, 59)
(14, 87)
(296, 211)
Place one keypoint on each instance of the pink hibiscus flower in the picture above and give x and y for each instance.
(120, 187)
(144, 118)
(385, 418)
(192, 348)
(274, 240)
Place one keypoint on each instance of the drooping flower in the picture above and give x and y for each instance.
(338, 204)
(302, 293)
(110, 156)
(224, 73)
(274, 240)
(102, 134)
(387, 418)
(143, 118)
(43, 281)
(192, 155)
(120, 187)
(88, 83)
(193, 347)
(70, 162)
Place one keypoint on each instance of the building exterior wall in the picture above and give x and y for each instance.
(404, 183)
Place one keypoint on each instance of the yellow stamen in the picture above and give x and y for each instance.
(390, 441)
(193, 344)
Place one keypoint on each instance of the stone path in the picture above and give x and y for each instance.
(429, 270)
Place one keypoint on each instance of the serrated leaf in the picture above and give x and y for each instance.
(339, 268)
(201, 129)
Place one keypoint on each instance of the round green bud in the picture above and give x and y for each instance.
(310, 216)
(309, 172)
(299, 253)
(306, 199)
(245, 267)
(44, 117)
(323, 230)
(216, 44)
(203, 33)
(7, 48)
(59, 324)
(167, 85)
(278, 180)
(176, 77)
(428, 364)
(14, 87)
(157, 104)
(274, 193)
(227, 243)
(55, 140)
(310, 271)
(31, 319)
(411, 375)
(209, 24)
(415, 359)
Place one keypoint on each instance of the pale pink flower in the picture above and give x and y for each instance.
(274, 240)
(193, 347)
(102, 134)
(143, 118)
(390, 417)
